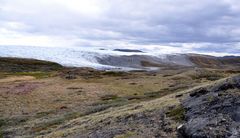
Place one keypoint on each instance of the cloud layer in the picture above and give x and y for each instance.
(198, 25)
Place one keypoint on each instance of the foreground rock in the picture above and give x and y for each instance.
(213, 111)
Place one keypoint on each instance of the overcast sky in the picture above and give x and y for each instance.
(198, 25)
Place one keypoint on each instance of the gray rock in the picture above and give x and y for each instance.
(211, 115)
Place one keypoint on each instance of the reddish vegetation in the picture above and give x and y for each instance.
(25, 87)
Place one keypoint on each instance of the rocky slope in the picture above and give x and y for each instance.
(213, 111)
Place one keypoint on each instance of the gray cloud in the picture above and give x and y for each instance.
(137, 22)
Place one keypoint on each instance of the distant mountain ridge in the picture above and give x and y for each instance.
(118, 59)
(128, 50)
(186, 60)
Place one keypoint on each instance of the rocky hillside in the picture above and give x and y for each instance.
(214, 62)
(145, 61)
(213, 111)
(165, 61)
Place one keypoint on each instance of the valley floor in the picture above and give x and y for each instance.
(83, 102)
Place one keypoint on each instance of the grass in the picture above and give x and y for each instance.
(95, 119)
(109, 97)
(2, 75)
(47, 125)
(55, 122)
(155, 94)
(37, 75)
(114, 73)
(115, 96)
(2, 123)
(210, 75)
(126, 135)
(12, 121)
(9, 122)
(105, 104)
(177, 113)
(112, 113)
(27, 65)
(42, 114)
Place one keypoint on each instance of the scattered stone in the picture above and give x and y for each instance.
(70, 76)
(63, 107)
(133, 83)
(179, 95)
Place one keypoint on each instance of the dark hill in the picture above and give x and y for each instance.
(26, 65)
(128, 50)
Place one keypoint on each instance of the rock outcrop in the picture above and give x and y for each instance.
(213, 112)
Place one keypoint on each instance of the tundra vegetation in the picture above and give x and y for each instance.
(44, 99)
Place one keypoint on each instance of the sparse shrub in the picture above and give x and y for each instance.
(206, 74)
(176, 113)
(37, 75)
(167, 75)
(109, 97)
(152, 94)
(47, 125)
(42, 114)
(210, 98)
(96, 109)
(157, 94)
(114, 73)
(134, 97)
(126, 135)
(2, 122)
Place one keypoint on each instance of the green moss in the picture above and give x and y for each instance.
(109, 97)
(27, 65)
(152, 94)
(206, 74)
(2, 75)
(8, 122)
(42, 114)
(126, 135)
(177, 113)
(157, 94)
(37, 75)
(1, 134)
(210, 98)
(12, 121)
(55, 122)
(103, 105)
(114, 73)
(2, 122)
(47, 125)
